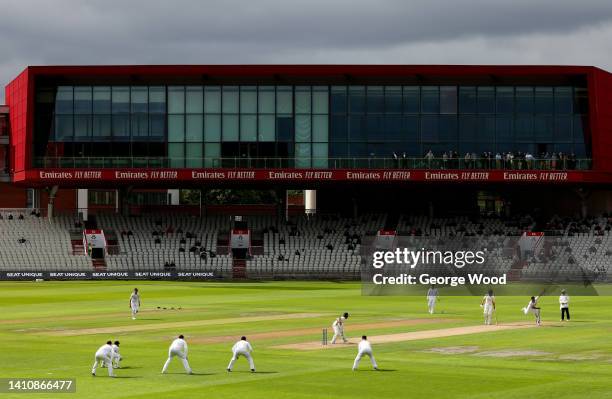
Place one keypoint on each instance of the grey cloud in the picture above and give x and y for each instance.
(265, 31)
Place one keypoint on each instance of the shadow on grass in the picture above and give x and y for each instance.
(257, 372)
(376, 371)
(126, 376)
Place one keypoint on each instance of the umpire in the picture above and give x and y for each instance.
(564, 305)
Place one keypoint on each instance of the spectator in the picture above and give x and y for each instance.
(529, 160)
(429, 158)
(467, 160)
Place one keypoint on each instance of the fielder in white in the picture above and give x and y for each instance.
(134, 303)
(432, 297)
(116, 358)
(104, 354)
(364, 349)
(338, 327)
(242, 348)
(116, 355)
(488, 305)
(178, 348)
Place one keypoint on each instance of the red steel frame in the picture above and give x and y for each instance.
(20, 99)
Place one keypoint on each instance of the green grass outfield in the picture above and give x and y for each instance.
(574, 359)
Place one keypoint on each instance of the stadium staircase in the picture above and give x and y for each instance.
(239, 268)
(76, 242)
(99, 265)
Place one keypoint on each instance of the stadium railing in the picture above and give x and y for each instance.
(314, 163)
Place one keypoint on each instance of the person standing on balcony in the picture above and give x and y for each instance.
(429, 158)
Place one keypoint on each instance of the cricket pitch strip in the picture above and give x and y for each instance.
(413, 336)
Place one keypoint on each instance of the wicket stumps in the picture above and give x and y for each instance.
(324, 337)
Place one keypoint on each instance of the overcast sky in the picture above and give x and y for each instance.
(43, 32)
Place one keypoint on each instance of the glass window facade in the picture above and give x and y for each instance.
(308, 125)
(375, 121)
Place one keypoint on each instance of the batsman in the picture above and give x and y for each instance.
(488, 305)
(338, 326)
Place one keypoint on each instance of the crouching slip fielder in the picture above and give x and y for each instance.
(338, 326)
(134, 303)
(242, 348)
(364, 349)
(116, 357)
(104, 354)
(178, 348)
(488, 305)
(432, 297)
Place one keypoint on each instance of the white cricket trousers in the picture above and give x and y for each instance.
(488, 314)
(360, 355)
(237, 355)
(181, 356)
(107, 361)
(338, 332)
(135, 309)
(431, 304)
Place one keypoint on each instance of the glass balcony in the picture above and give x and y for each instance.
(320, 163)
